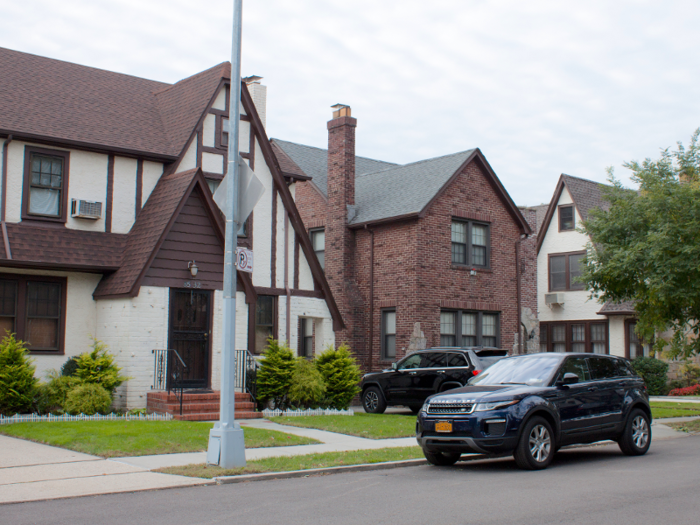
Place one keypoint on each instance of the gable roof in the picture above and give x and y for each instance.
(386, 191)
(313, 162)
(75, 105)
(151, 229)
(586, 195)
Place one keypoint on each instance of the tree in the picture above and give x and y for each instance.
(341, 374)
(275, 373)
(646, 247)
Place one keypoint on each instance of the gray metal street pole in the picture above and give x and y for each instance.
(226, 446)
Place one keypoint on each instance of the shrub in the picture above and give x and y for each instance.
(88, 399)
(653, 371)
(51, 396)
(17, 382)
(275, 373)
(98, 367)
(690, 373)
(70, 367)
(686, 391)
(341, 375)
(308, 387)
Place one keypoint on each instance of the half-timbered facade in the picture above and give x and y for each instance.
(109, 230)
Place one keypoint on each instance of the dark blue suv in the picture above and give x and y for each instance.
(532, 405)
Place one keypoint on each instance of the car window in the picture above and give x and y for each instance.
(431, 360)
(622, 369)
(412, 361)
(602, 367)
(576, 365)
(536, 370)
(455, 360)
(485, 362)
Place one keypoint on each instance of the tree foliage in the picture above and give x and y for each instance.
(17, 381)
(646, 247)
(341, 374)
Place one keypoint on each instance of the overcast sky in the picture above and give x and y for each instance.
(542, 87)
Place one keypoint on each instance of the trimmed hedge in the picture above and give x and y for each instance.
(654, 372)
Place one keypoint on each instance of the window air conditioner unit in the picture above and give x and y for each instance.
(553, 298)
(86, 209)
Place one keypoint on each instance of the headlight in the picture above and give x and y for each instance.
(424, 408)
(495, 405)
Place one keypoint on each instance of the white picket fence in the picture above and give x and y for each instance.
(35, 418)
(308, 412)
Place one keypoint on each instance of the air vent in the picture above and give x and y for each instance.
(86, 209)
(553, 298)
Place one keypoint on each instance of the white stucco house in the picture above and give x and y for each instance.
(106, 205)
(570, 321)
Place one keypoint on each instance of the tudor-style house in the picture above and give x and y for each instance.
(109, 229)
(571, 321)
(417, 255)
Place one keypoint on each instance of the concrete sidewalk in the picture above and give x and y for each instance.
(674, 399)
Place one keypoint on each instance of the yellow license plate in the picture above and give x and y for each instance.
(443, 426)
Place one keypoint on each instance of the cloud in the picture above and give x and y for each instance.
(542, 87)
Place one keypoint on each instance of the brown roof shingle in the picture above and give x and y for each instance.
(586, 194)
(52, 99)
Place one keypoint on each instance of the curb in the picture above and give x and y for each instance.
(224, 480)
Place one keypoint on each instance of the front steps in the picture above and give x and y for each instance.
(199, 406)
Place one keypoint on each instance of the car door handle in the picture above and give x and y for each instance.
(412, 373)
(441, 371)
(592, 388)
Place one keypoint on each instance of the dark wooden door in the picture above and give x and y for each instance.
(190, 320)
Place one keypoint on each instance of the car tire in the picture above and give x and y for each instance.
(442, 459)
(536, 446)
(373, 401)
(636, 438)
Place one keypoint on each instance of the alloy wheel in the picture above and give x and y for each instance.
(540, 443)
(640, 432)
(371, 400)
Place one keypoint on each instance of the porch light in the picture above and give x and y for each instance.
(193, 268)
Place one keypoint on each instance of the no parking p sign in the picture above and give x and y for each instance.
(244, 260)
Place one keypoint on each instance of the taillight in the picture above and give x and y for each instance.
(476, 372)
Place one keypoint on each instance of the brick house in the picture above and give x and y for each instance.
(435, 242)
(106, 206)
(569, 319)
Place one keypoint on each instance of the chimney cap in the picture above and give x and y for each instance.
(341, 110)
(252, 79)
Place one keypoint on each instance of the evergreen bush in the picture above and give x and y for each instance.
(654, 372)
(17, 382)
(88, 399)
(308, 387)
(341, 375)
(275, 373)
(51, 396)
(70, 367)
(98, 367)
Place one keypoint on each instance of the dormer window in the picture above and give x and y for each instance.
(567, 222)
(45, 185)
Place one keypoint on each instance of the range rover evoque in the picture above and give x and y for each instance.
(423, 373)
(532, 405)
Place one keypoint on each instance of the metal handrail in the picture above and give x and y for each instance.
(163, 367)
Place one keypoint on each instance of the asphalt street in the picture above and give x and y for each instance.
(593, 485)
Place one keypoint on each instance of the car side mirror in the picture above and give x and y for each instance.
(393, 366)
(568, 379)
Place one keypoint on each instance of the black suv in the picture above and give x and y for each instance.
(424, 373)
(532, 405)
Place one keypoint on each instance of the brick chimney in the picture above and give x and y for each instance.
(341, 199)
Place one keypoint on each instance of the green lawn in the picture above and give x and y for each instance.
(139, 438)
(310, 461)
(664, 409)
(373, 426)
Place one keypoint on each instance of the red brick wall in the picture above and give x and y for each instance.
(312, 205)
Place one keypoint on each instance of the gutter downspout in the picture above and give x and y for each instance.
(3, 202)
(286, 275)
(517, 291)
(371, 299)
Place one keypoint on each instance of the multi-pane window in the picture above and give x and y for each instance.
(388, 334)
(46, 185)
(574, 336)
(564, 271)
(32, 308)
(465, 328)
(306, 337)
(318, 241)
(635, 346)
(264, 321)
(566, 218)
(470, 243)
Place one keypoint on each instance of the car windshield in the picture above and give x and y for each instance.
(531, 370)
